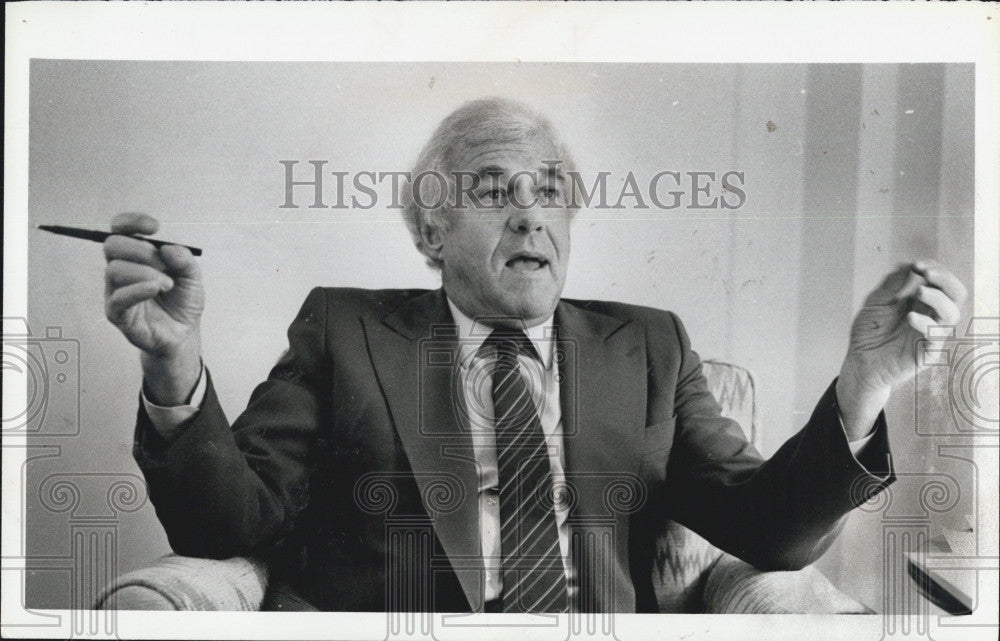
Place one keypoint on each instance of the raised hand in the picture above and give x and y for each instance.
(155, 298)
(885, 335)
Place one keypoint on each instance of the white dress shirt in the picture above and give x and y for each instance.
(476, 378)
(475, 373)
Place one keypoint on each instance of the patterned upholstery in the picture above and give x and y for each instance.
(734, 388)
(689, 575)
(683, 557)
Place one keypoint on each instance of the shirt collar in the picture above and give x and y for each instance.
(473, 334)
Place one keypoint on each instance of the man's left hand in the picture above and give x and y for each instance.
(883, 347)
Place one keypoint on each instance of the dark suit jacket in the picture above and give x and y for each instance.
(352, 471)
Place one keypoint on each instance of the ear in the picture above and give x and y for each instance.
(432, 240)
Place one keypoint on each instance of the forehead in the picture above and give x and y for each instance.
(528, 151)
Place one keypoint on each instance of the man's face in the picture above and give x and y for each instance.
(506, 251)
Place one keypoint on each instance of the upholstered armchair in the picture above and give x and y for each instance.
(689, 575)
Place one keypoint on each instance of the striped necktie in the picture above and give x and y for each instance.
(533, 575)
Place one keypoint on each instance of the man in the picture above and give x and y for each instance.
(489, 445)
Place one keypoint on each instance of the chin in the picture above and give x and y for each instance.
(536, 307)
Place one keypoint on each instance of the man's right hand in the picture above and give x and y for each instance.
(155, 297)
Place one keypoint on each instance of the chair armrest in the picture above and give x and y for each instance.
(680, 569)
(186, 583)
(736, 587)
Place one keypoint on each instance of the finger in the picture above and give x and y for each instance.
(180, 262)
(911, 282)
(123, 298)
(944, 308)
(920, 322)
(120, 273)
(943, 279)
(134, 223)
(133, 250)
(889, 287)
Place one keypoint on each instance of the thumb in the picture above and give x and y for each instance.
(898, 284)
(134, 223)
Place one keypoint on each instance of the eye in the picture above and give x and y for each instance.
(548, 192)
(492, 197)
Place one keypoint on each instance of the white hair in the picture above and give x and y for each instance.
(482, 122)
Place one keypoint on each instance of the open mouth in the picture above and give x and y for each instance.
(525, 262)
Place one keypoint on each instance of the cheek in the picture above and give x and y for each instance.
(561, 240)
(478, 237)
(471, 253)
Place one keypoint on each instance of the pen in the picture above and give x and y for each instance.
(101, 236)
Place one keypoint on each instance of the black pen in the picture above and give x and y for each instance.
(101, 236)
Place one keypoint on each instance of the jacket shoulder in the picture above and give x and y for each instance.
(355, 301)
(650, 317)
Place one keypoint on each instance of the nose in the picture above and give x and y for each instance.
(526, 215)
(526, 220)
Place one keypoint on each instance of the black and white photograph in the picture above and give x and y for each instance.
(414, 345)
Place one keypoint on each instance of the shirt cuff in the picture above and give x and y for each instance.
(168, 420)
(857, 447)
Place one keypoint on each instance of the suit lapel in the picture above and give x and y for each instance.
(603, 393)
(603, 397)
(414, 351)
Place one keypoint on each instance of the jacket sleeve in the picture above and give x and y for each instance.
(222, 490)
(779, 514)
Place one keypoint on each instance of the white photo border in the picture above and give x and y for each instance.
(583, 32)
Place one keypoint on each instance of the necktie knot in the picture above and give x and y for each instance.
(509, 343)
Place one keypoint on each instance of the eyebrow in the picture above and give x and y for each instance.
(552, 173)
(490, 170)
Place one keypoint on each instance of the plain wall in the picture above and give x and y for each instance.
(864, 166)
